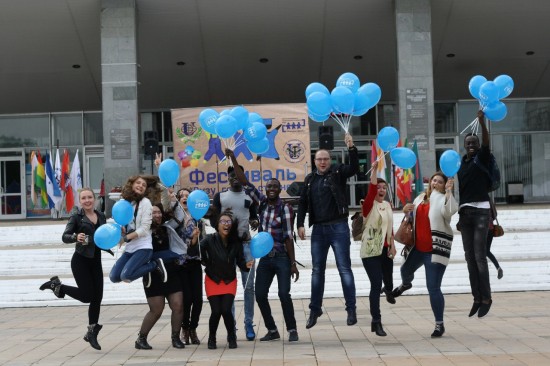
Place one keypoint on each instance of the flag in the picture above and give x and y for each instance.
(378, 154)
(404, 182)
(76, 179)
(34, 164)
(57, 170)
(418, 181)
(40, 180)
(66, 182)
(54, 194)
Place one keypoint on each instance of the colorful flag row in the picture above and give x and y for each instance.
(56, 184)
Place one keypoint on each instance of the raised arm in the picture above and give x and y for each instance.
(237, 169)
(485, 132)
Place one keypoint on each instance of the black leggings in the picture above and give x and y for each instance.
(192, 295)
(220, 305)
(88, 275)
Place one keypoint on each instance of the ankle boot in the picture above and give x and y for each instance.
(377, 329)
(141, 342)
(232, 340)
(212, 341)
(185, 335)
(194, 338)
(53, 284)
(91, 335)
(176, 341)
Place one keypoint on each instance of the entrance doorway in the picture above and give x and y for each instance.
(12, 183)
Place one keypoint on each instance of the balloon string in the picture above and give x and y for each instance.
(378, 159)
(248, 276)
(340, 123)
(471, 126)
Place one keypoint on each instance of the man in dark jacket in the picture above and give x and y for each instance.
(324, 198)
(474, 213)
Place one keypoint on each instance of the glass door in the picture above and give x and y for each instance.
(94, 178)
(12, 181)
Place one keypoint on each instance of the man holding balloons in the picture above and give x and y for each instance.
(474, 215)
(276, 219)
(324, 198)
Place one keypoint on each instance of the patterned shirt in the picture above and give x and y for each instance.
(275, 219)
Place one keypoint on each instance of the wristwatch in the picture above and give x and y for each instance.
(125, 238)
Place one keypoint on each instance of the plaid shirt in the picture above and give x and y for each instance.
(275, 219)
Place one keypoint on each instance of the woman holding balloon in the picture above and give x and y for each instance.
(433, 236)
(377, 246)
(220, 252)
(85, 263)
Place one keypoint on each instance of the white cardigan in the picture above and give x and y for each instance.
(144, 218)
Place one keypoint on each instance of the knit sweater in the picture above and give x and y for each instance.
(441, 211)
(377, 224)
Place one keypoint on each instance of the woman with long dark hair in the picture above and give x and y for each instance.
(85, 263)
(158, 291)
(220, 253)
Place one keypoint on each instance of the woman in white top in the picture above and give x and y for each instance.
(136, 262)
(433, 236)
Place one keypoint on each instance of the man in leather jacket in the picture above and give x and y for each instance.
(324, 198)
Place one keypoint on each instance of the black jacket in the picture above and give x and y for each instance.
(79, 223)
(220, 261)
(338, 175)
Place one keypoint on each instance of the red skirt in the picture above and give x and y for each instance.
(212, 288)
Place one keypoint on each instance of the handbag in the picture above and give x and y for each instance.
(497, 230)
(405, 233)
(357, 226)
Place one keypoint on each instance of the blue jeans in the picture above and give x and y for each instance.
(268, 268)
(248, 281)
(324, 237)
(379, 269)
(434, 276)
(131, 266)
(473, 227)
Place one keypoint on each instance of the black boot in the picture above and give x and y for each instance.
(53, 284)
(91, 335)
(176, 341)
(141, 342)
(193, 335)
(212, 341)
(232, 340)
(185, 335)
(377, 328)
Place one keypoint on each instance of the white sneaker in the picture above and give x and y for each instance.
(147, 280)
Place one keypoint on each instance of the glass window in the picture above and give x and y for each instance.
(388, 115)
(24, 131)
(445, 121)
(167, 127)
(467, 112)
(67, 129)
(93, 128)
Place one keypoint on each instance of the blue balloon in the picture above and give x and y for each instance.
(207, 120)
(317, 118)
(123, 212)
(319, 103)
(342, 99)
(107, 236)
(488, 92)
(255, 131)
(373, 93)
(316, 87)
(261, 244)
(348, 80)
(225, 112)
(241, 117)
(198, 204)
(449, 162)
(169, 172)
(258, 146)
(387, 139)
(475, 84)
(495, 111)
(505, 85)
(254, 117)
(403, 157)
(226, 126)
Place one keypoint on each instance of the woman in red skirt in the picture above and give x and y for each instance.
(220, 252)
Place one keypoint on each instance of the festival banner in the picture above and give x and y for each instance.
(201, 157)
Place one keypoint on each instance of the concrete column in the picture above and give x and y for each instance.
(119, 91)
(415, 78)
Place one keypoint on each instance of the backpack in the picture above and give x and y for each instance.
(357, 225)
(492, 171)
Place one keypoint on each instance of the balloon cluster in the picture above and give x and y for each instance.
(348, 98)
(387, 140)
(227, 123)
(489, 94)
(108, 235)
(189, 157)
